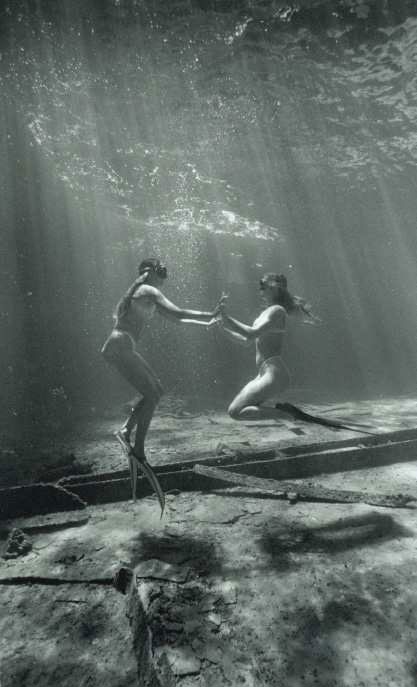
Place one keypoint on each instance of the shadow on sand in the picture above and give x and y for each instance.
(199, 554)
(280, 539)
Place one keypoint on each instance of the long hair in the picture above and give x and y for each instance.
(145, 267)
(291, 303)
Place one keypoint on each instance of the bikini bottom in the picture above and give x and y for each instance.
(276, 363)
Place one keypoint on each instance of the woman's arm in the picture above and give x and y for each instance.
(273, 318)
(202, 323)
(235, 336)
(237, 327)
(172, 312)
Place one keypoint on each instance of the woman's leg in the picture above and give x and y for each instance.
(135, 370)
(247, 404)
(137, 411)
(144, 419)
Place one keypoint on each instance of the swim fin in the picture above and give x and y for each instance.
(299, 414)
(134, 463)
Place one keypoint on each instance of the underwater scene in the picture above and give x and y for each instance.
(228, 140)
(208, 250)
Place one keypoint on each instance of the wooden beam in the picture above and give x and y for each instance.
(304, 492)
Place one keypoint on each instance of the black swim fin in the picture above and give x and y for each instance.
(136, 462)
(299, 414)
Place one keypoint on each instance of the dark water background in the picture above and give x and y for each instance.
(228, 138)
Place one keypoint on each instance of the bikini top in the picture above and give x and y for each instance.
(274, 330)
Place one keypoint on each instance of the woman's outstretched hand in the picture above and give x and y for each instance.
(217, 315)
(221, 305)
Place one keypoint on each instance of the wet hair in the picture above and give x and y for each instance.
(292, 304)
(150, 264)
(145, 268)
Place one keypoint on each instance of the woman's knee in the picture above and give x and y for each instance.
(234, 411)
(106, 353)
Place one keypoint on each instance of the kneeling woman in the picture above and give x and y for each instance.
(267, 332)
(133, 311)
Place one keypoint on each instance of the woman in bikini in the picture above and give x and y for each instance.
(134, 310)
(267, 332)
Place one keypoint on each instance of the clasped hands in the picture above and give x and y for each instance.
(219, 311)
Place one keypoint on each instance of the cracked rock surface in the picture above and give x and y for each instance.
(237, 590)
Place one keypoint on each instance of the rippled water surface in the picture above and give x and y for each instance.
(176, 112)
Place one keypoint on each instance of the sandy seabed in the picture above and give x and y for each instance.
(238, 588)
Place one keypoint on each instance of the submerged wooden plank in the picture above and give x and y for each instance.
(304, 492)
(112, 491)
(301, 460)
(229, 458)
(277, 467)
(288, 463)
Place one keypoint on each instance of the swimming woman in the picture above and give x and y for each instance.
(273, 377)
(267, 332)
(138, 305)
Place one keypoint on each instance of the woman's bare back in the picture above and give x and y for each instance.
(140, 310)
